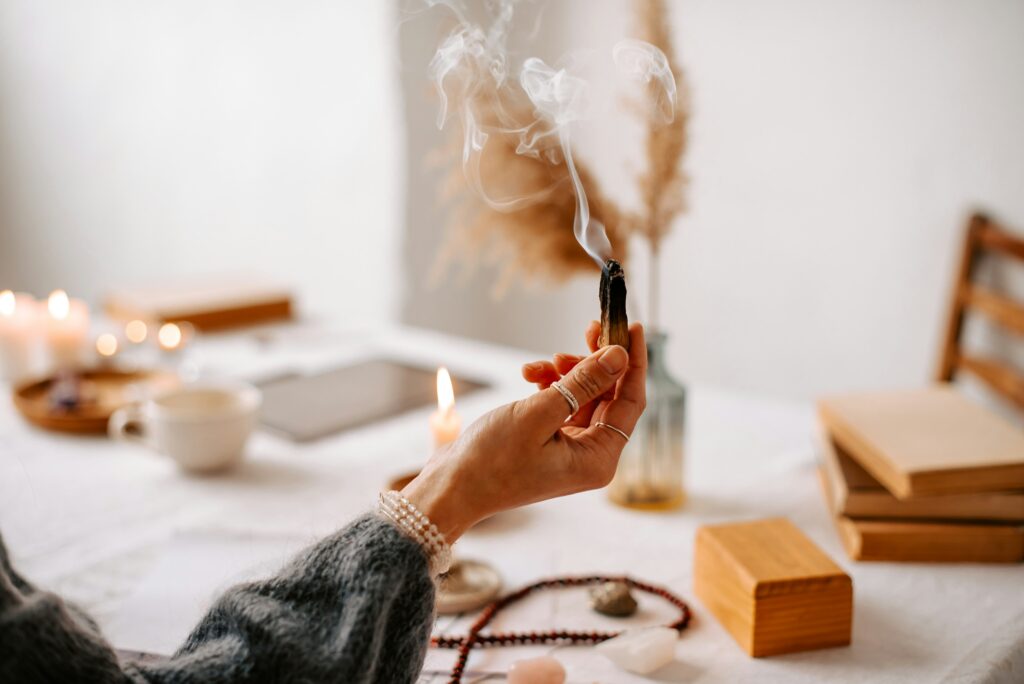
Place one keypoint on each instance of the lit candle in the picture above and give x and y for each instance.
(136, 331)
(17, 335)
(169, 336)
(106, 345)
(445, 422)
(133, 352)
(67, 328)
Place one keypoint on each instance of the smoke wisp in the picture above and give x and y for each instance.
(531, 102)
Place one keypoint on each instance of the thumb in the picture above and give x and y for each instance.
(589, 380)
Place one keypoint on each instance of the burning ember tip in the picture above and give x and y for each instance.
(614, 322)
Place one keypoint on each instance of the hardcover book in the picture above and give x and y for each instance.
(856, 494)
(927, 541)
(927, 442)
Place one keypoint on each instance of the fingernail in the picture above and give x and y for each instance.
(613, 359)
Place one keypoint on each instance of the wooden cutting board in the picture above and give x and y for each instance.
(927, 442)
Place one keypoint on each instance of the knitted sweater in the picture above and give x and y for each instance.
(355, 608)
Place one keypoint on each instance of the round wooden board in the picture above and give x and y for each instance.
(108, 389)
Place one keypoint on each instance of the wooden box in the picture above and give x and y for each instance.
(772, 588)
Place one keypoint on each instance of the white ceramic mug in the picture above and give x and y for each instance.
(203, 427)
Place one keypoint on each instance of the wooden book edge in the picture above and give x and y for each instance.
(856, 534)
(869, 457)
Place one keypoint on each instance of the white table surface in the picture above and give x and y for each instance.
(93, 520)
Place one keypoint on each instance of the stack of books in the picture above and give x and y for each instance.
(923, 475)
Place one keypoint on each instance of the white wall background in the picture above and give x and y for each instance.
(141, 139)
(836, 149)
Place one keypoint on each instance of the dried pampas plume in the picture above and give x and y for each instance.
(534, 239)
(663, 183)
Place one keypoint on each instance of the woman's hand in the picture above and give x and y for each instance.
(526, 452)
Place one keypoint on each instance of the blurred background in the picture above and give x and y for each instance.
(835, 153)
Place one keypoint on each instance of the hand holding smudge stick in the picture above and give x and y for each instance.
(614, 323)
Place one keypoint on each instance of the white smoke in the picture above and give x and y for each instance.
(641, 61)
(474, 56)
(561, 98)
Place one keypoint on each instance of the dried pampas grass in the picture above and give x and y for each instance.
(663, 183)
(535, 240)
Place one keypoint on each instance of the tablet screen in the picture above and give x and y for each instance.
(308, 407)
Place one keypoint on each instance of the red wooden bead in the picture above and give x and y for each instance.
(476, 640)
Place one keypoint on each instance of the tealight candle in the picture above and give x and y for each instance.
(106, 345)
(136, 331)
(133, 352)
(67, 328)
(169, 336)
(445, 423)
(18, 335)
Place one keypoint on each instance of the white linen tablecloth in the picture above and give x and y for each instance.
(106, 525)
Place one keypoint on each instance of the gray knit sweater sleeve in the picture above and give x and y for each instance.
(355, 608)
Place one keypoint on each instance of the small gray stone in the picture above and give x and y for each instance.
(613, 598)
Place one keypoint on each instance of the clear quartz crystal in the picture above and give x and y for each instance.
(650, 474)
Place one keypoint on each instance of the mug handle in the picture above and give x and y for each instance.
(127, 424)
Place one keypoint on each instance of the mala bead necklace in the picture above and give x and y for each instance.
(474, 639)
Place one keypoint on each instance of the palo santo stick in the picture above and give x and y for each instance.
(614, 323)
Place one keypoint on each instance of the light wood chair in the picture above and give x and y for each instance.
(985, 238)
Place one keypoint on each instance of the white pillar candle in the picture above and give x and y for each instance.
(66, 330)
(18, 335)
(445, 423)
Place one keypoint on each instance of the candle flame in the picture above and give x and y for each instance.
(59, 305)
(106, 344)
(445, 391)
(169, 336)
(136, 332)
(7, 303)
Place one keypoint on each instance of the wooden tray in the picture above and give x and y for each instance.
(109, 390)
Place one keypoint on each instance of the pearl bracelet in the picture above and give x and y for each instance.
(414, 524)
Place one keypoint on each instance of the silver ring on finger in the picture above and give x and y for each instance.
(613, 429)
(574, 405)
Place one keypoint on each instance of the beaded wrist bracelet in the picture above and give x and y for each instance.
(417, 526)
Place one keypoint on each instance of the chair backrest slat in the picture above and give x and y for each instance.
(994, 237)
(1000, 309)
(983, 237)
(999, 376)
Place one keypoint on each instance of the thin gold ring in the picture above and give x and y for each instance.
(574, 405)
(613, 429)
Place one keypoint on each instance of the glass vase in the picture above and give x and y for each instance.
(650, 473)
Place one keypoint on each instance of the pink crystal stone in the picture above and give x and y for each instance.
(544, 670)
